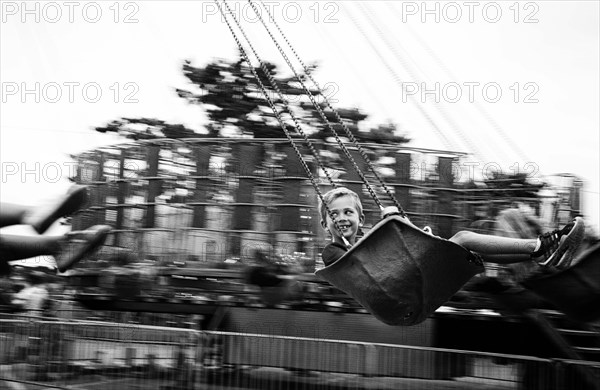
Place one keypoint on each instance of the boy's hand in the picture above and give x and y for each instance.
(390, 210)
(393, 210)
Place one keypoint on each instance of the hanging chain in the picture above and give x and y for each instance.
(335, 112)
(267, 72)
(277, 114)
(320, 111)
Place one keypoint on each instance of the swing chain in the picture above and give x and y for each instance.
(285, 103)
(335, 112)
(277, 114)
(320, 111)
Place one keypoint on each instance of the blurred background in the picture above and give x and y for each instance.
(464, 112)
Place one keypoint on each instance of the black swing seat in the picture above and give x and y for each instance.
(400, 273)
(576, 290)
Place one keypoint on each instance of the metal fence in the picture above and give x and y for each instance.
(42, 353)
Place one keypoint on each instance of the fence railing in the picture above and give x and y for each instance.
(80, 354)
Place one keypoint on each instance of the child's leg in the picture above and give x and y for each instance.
(11, 214)
(555, 248)
(495, 245)
(23, 247)
(496, 249)
(67, 250)
(81, 244)
(41, 218)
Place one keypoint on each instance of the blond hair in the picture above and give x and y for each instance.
(335, 193)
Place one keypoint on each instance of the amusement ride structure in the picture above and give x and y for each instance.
(202, 208)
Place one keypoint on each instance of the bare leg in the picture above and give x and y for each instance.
(23, 247)
(494, 245)
(11, 214)
(41, 218)
(66, 250)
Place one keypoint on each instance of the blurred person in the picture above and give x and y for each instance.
(123, 276)
(66, 305)
(67, 249)
(553, 249)
(273, 278)
(41, 218)
(265, 271)
(34, 296)
(6, 287)
(55, 296)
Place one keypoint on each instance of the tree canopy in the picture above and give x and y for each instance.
(236, 107)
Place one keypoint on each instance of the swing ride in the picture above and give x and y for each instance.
(576, 290)
(398, 273)
(402, 274)
(399, 286)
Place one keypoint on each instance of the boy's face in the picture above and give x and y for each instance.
(347, 216)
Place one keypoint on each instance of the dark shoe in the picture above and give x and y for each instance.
(76, 248)
(42, 218)
(572, 242)
(559, 247)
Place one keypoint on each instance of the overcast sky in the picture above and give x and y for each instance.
(517, 83)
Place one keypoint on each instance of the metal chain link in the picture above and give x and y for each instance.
(284, 100)
(335, 112)
(277, 114)
(320, 111)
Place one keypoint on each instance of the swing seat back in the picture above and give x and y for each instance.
(401, 274)
(576, 290)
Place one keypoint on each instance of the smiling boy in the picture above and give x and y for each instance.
(552, 249)
(346, 208)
